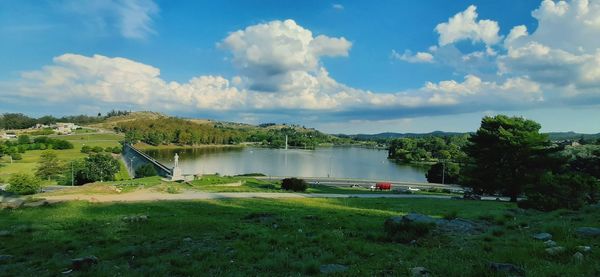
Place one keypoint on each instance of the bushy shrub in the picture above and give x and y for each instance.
(86, 149)
(97, 149)
(116, 150)
(405, 231)
(21, 183)
(16, 156)
(145, 170)
(294, 184)
(556, 191)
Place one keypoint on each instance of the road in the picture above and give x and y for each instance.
(365, 182)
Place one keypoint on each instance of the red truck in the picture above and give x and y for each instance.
(383, 186)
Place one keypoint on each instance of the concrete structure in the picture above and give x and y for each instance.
(135, 158)
(64, 127)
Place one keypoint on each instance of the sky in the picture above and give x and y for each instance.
(338, 66)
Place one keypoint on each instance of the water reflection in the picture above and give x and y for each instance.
(349, 162)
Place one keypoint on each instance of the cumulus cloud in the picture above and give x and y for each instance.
(407, 56)
(564, 50)
(280, 68)
(465, 26)
(338, 7)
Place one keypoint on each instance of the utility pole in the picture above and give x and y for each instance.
(443, 170)
(72, 175)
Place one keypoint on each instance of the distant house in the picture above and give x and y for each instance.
(40, 126)
(65, 128)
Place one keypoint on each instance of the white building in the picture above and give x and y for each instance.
(65, 128)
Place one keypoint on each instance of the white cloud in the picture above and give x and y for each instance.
(419, 57)
(465, 26)
(132, 18)
(338, 7)
(564, 50)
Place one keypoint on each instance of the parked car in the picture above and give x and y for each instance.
(471, 196)
(355, 186)
(413, 189)
(383, 186)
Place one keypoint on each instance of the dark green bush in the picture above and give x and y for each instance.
(556, 191)
(145, 170)
(97, 149)
(16, 156)
(404, 231)
(21, 183)
(294, 184)
(86, 149)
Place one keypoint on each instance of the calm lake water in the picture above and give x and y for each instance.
(342, 162)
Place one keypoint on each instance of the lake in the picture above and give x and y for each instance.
(340, 162)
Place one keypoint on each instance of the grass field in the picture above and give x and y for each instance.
(30, 158)
(287, 237)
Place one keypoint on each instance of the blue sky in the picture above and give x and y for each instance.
(341, 66)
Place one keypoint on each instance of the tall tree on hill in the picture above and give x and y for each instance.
(49, 166)
(505, 155)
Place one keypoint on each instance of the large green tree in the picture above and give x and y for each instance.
(49, 166)
(505, 155)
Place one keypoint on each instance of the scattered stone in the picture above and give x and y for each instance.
(134, 218)
(5, 258)
(312, 217)
(83, 263)
(555, 250)
(275, 226)
(419, 272)
(588, 231)
(12, 203)
(507, 268)
(36, 203)
(584, 248)
(542, 236)
(457, 225)
(550, 243)
(332, 268)
(578, 256)
(187, 239)
(4, 233)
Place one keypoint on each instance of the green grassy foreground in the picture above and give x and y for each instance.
(283, 238)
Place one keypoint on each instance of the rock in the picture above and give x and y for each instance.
(5, 258)
(550, 243)
(36, 204)
(420, 218)
(83, 263)
(584, 248)
(188, 239)
(458, 225)
(12, 203)
(4, 233)
(419, 272)
(332, 268)
(555, 250)
(507, 268)
(542, 236)
(588, 231)
(141, 218)
(578, 256)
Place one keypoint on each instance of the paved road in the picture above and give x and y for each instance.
(364, 182)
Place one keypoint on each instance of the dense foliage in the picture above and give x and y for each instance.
(170, 130)
(95, 167)
(21, 183)
(443, 173)
(505, 155)
(431, 148)
(294, 184)
(556, 191)
(24, 143)
(145, 170)
(21, 121)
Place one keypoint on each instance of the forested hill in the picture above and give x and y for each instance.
(157, 129)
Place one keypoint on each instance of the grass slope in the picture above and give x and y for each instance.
(288, 237)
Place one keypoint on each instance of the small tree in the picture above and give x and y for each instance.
(450, 173)
(49, 166)
(294, 184)
(23, 139)
(145, 170)
(86, 149)
(21, 183)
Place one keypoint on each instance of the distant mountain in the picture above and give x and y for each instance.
(390, 135)
(554, 136)
(572, 136)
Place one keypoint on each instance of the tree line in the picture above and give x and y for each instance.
(12, 121)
